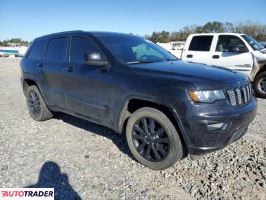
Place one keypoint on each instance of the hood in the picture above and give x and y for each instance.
(260, 55)
(192, 72)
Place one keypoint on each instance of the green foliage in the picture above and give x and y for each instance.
(257, 31)
(213, 27)
(162, 37)
(14, 41)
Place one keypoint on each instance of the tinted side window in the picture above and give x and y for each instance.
(37, 49)
(230, 43)
(79, 47)
(201, 43)
(56, 49)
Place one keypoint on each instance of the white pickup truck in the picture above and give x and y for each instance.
(231, 50)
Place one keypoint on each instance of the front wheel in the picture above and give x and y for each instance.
(153, 139)
(260, 85)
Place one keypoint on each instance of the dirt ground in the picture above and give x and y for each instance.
(82, 160)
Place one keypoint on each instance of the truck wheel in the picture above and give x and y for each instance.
(260, 85)
(153, 139)
(36, 105)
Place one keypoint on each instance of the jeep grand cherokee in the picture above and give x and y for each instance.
(167, 108)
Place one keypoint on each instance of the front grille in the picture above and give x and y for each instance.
(240, 95)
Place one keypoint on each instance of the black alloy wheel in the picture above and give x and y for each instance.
(150, 139)
(34, 104)
(153, 139)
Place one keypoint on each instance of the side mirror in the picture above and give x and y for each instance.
(243, 49)
(239, 49)
(95, 58)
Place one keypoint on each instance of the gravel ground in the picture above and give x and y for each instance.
(82, 160)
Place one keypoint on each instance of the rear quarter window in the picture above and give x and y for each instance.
(57, 49)
(37, 49)
(201, 43)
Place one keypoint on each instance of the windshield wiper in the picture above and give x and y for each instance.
(169, 60)
(141, 61)
(149, 61)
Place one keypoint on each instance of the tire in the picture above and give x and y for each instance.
(260, 85)
(160, 136)
(36, 105)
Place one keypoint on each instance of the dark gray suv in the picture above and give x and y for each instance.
(167, 108)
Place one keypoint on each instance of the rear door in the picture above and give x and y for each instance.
(53, 71)
(198, 50)
(34, 58)
(88, 91)
(231, 52)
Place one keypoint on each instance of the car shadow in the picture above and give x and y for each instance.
(118, 139)
(51, 177)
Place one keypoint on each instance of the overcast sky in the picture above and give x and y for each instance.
(32, 18)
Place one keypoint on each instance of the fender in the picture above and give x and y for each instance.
(33, 78)
(30, 77)
(124, 113)
(255, 68)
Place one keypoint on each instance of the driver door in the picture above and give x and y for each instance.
(88, 91)
(231, 52)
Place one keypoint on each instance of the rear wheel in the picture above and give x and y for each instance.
(153, 139)
(260, 84)
(36, 105)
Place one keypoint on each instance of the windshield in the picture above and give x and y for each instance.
(253, 43)
(132, 49)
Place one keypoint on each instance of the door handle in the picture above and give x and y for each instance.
(69, 69)
(189, 56)
(244, 65)
(215, 56)
(40, 65)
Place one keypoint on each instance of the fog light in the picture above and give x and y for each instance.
(216, 127)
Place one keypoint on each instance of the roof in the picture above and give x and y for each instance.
(95, 33)
(105, 33)
(217, 34)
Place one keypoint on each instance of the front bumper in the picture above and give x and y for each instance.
(200, 140)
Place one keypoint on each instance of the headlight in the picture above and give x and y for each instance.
(207, 96)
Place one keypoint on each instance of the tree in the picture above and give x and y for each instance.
(154, 37)
(229, 27)
(162, 37)
(257, 31)
(213, 27)
(15, 41)
(199, 29)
